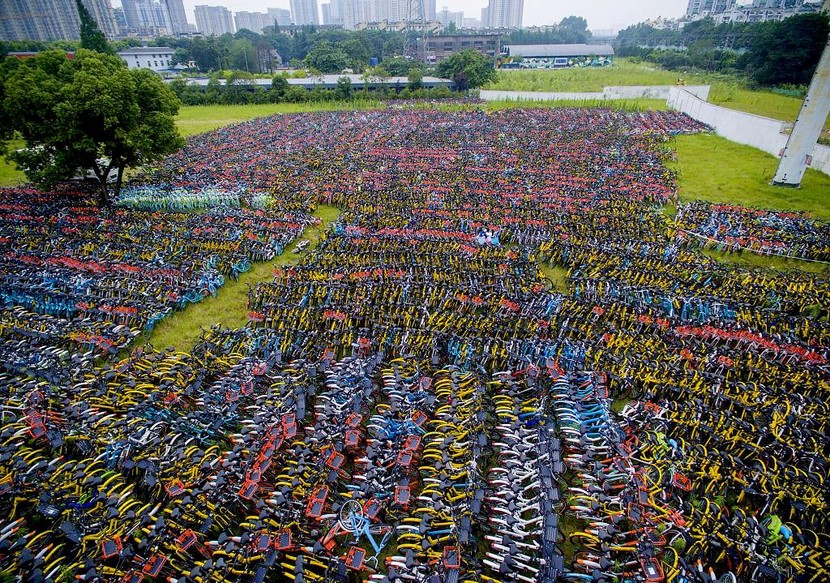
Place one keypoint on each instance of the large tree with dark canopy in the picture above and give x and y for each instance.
(87, 114)
(468, 68)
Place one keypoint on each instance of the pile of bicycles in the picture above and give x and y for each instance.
(413, 400)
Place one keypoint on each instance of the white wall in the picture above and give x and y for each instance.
(537, 96)
(618, 92)
(744, 128)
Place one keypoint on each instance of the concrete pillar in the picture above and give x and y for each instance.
(807, 126)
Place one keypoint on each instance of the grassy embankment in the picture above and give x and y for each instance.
(229, 307)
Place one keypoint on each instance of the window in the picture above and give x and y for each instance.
(155, 63)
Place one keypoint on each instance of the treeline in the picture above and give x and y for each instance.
(237, 89)
(767, 53)
(467, 69)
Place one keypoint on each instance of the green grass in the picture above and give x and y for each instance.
(714, 169)
(622, 72)
(197, 119)
(9, 174)
(726, 90)
(183, 329)
(624, 104)
(558, 276)
(755, 261)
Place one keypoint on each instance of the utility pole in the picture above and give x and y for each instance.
(808, 124)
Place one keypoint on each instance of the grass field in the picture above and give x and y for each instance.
(229, 308)
(9, 174)
(714, 169)
(198, 119)
(727, 91)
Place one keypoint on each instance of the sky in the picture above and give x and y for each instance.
(600, 14)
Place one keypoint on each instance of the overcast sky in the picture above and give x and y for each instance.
(600, 14)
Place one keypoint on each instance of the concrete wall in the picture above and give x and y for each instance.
(538, 96)
(610, 93)
(744, 128)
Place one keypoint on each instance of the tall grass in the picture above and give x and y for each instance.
(726, 90)
(714, 169)
(197, 119)
(230, 307)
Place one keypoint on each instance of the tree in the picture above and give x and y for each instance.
(357, 53)
(468, 68)
(344, 88)
(91, 36)
(416, 78)
(279, 87)
(243, 56)
(788, 51)
(90, 113)
(574, 29)
(399, 66)
(205, 53)
(327, 58)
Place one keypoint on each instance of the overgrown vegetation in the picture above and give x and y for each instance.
(767, 53)
(714, 169)
(229, 308)
(204, 118)
(727, 90)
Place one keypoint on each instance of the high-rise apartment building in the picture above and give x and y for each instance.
(304, 12)
(281, 16)
(445, 16)
(177, 16)
(215, 20)
(705, 7)
(147, 17)
(503, 14)
(50, 20)
(253, 21)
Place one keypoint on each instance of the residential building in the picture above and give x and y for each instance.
(154, 58)
(445, 16)
(470, 23)
(697, 8)
(214, 20)
(177, 16)
(120, 20)
(724, 11)
(304, 12)
(102, 12)
(503, 14)
(146, 18)
(766, 10)
(281, 16)
(50, 20)
(253, 21)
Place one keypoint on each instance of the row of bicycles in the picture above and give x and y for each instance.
(413, 400)
(88, 281)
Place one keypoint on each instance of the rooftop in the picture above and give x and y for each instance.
(576, 50)
(146, 51)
